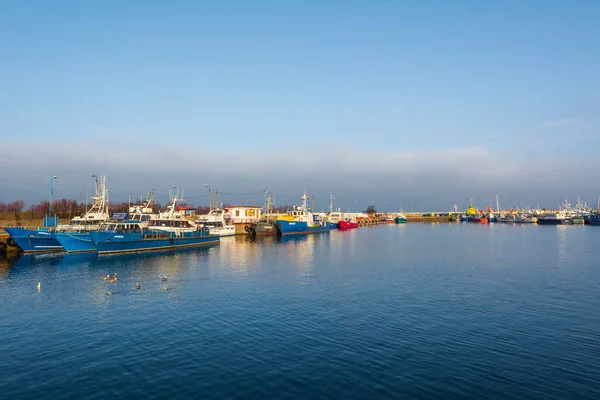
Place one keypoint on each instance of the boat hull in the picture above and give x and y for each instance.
(299, 228)
(263, 228)
(111, 243)
(76, 242)
(332, 225)
(34, 241)
(555, 221)
(344, 225)
(400, 220)
(594, 219)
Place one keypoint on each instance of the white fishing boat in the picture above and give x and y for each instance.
(95, 216)
(142, 212)
(217, 222)
(172, 220)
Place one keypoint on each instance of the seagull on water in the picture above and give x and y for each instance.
(137, 285)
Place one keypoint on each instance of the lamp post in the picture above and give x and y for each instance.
(51, 196)
(209, 198)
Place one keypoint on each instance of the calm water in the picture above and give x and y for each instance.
(406, 311)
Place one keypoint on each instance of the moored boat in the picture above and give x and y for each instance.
(216, 222)
(400, 219)
(594, 219)
(44, 239)
(81, 242)
(128, 236)
(517, 219)
(557, 218)
(301, 220)
(169, 230)
(263, 228)
(347, 224)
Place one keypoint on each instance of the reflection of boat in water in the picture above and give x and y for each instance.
(6, 262)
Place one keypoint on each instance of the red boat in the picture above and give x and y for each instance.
(343, 225)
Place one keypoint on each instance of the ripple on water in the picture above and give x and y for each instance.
(414, 311)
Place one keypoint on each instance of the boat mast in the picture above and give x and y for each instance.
(497, 205)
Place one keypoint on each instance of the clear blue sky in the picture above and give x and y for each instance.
(396, 102)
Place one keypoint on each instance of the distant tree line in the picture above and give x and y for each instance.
(66, 208)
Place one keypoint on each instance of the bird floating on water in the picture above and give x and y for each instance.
(39, 286)
(137, 285)
(114, 280)
(107, 277)
(166, 288)
(164, 278)
(109, 293)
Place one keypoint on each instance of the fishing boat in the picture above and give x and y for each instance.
(594, 219)
(44, 239)
(400, 219)
(517, 219)
(470, 214)
(263, 228)
(301, 220)
(558, 218)
(78, 242)
(169, 230)
(217, 222)
(347, 223)
(333, 217)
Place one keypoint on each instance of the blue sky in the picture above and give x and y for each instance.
(399, 104)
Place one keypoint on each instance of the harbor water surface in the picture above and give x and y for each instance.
(444, 311)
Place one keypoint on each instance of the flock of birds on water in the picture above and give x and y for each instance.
(113, 279)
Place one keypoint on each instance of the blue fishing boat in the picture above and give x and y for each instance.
(593, 219)
(301, 220)
(34, 240)
(44, 239)
(81, 242)
(169, 230)
(128, 236)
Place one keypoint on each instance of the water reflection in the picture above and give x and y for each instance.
(6, 261)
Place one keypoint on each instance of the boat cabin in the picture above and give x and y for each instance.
(122, 227)
(182, 223)
(244, 214)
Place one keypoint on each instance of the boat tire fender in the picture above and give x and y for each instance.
(11, 242)
(2, 247)
(247, 228)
